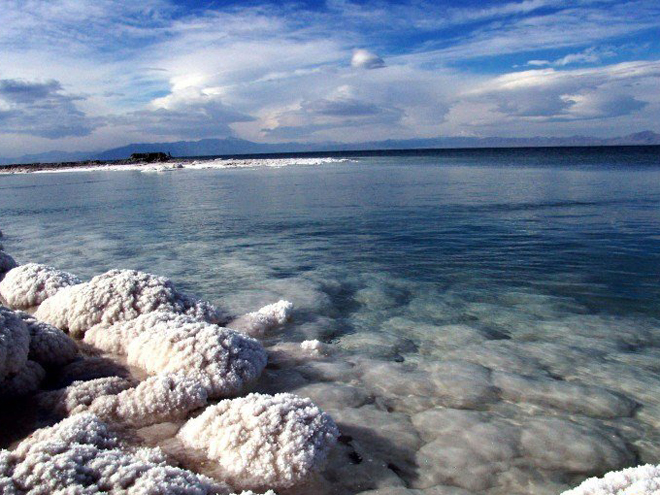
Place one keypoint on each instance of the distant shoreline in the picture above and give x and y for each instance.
(22, 168)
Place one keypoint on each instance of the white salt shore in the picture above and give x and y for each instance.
(153, 395)
(174, 165)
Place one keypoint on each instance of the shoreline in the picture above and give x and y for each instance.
(27, 168)
(162, 166)
(556, 153)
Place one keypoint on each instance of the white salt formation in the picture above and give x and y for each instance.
(24, 382)
(86, 368)
(258, 323)
(157, 399)
(29, 285)
(14, 343)
(262, 441)
(26, 347)
(81, 455)
(218, 163)
(78, 396)
(118, 295)
(641, 480)
(192, 360)
(49, 346)
(222, 360)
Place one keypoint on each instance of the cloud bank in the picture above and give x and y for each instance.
(88, 74)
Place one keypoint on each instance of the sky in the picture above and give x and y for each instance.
(95, 74)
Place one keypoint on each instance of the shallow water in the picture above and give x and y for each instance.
(494, 315)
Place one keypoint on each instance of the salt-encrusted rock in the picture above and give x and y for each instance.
(89, 368)
(118, 295)
(159, 398)
(223, 360)
(641, 480)
(79, 395)
(262, 440)
(259, 322)
(49, 346)
(30, 284)
(14, 342)
(6, 263)
(80, 455)
(24, 382)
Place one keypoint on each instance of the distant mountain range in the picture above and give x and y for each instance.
(235, 146)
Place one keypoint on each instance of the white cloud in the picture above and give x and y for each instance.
(41, 109)
(272, 72)
(549, 95)
(364, 59)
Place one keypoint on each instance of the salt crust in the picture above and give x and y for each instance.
(49, 346)
(81, 455)
(29, 285)
(222, 360)
(641, 480)
(89, 368)
(26, 346)
(80, 394)
(219, 163)
(262, 440)
(258, 323)
(159, 398)
(14, 342)
(24, 382)
(118, 295)
(6, 263)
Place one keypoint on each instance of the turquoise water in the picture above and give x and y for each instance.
(432, 275)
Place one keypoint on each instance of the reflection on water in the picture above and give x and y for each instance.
(494, 318)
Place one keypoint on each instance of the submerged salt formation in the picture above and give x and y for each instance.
(119, 295)
(258, 323)
(262, 440)
(641, 480)
(29, 285)
(315, 347)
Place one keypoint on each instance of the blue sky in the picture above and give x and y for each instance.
(85, 75)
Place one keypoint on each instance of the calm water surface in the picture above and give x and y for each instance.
(551, 258)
